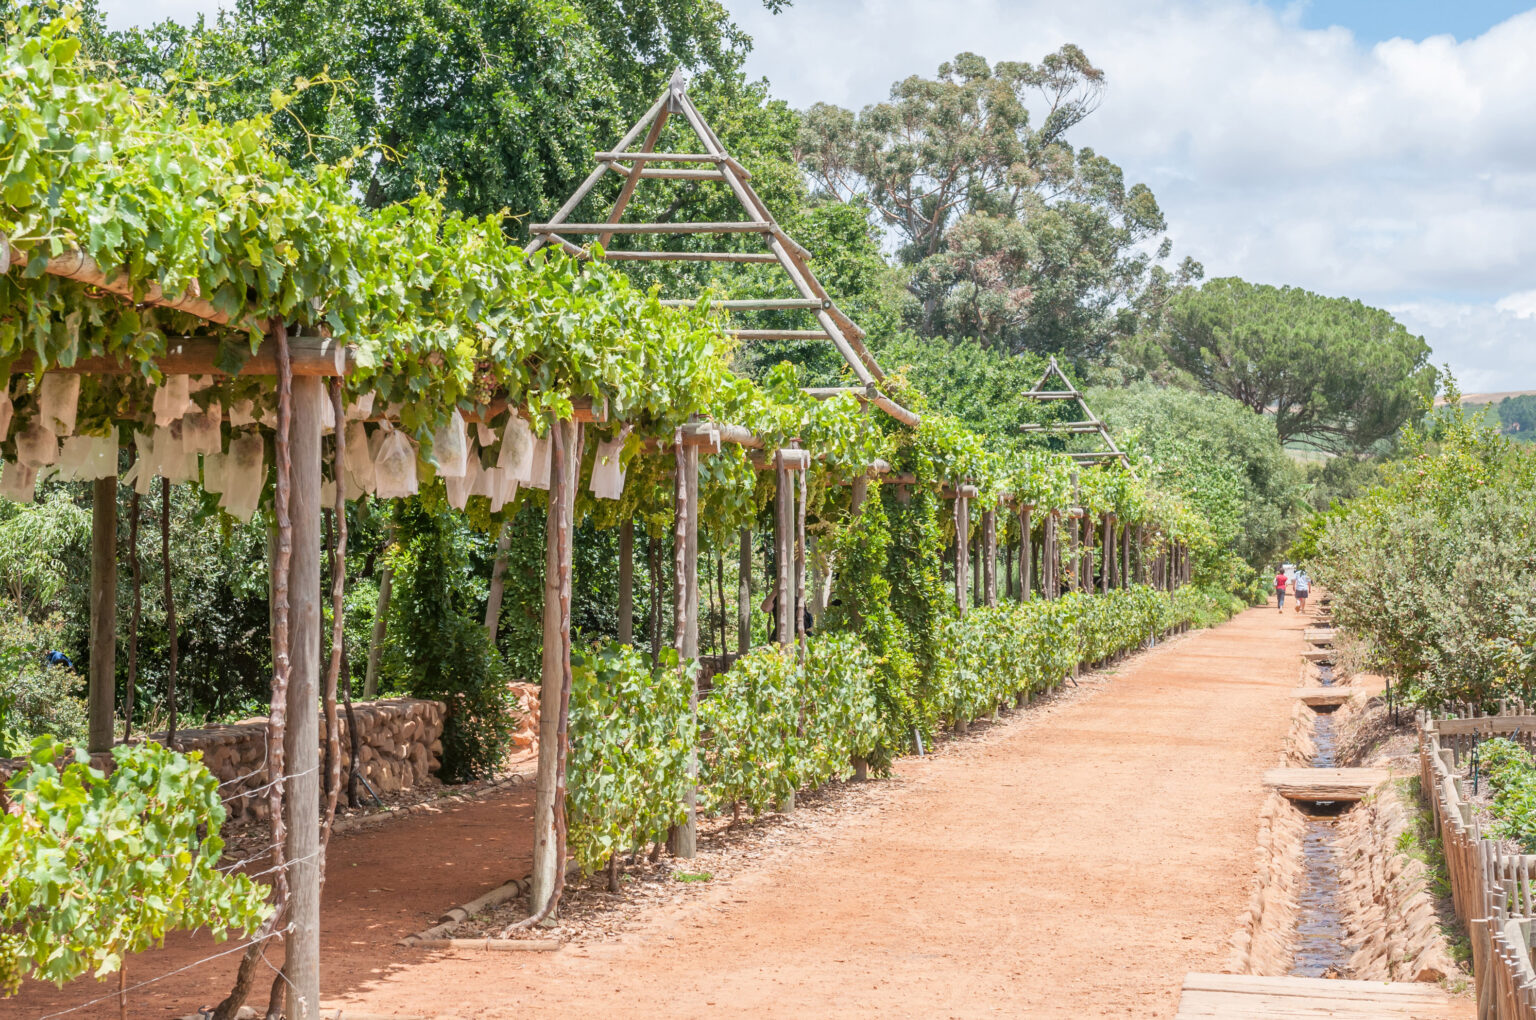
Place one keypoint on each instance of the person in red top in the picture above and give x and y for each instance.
(1280, 581)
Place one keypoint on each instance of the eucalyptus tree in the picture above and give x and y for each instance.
(1012, 235)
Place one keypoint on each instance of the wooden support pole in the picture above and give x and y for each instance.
(800, 549)
(784, 569)
(989, 557)
(1074, 561)
(744, 593)
(549, 793)
(1026, 553)
(1107, 555)
(301, 738)
(962, 549)
(170, 610)
(498, 584)
(103, 679)
(682, 841)
(627, 582)
(1125, 556)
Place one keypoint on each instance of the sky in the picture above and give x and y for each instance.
(1375, 150)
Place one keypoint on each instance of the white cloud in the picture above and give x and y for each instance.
(1400, 173)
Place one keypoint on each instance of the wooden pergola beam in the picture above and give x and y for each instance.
(76, 265)
(313, 357)
(718, 227)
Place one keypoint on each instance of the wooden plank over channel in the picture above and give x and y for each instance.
(1324, 784)
(1249, 997)
(1316, 696)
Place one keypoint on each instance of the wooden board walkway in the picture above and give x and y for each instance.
(1247, 997)
(1316, 696)
(1324, 784)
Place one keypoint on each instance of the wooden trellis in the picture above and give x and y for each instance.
(714, 165)
(1089, 424)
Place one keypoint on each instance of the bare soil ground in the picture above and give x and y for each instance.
(1073, 860)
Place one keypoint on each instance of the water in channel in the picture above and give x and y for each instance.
(1320, 949)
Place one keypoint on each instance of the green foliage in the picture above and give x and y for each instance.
(39, 544)
(771, 726)
(631, 737)
(438, 650)
(1436, 567)
(1243, 490)
(503, 102)
(1511, 775)
(36, 699)
(1336, 374)
(97, 867)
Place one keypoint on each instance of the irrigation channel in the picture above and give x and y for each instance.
(1320, 932)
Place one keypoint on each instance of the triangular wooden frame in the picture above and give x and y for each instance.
(634, 166)
(1090, 424)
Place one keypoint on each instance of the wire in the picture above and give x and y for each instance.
(207, 959)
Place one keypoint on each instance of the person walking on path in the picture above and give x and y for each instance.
(1280, 582)
(1303, 589)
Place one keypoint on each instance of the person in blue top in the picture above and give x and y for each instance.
(1303, 585)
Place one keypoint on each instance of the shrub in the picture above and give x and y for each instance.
(96, 867)
(36, 699)
(630, 737)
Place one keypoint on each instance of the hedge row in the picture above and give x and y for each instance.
(771, 726)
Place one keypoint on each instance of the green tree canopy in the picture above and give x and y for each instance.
(1336, 374)
(1012, 235)
(503, 102)
(1228, 463)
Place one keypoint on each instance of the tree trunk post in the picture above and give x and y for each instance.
(135, 566)
(380, 618)
(989, 557)
(1026, 552)
(627, 582)
(170, 608)
(103, 681)
(301, 739)
(744, 592)
(682, 840)
(1141, 554)
(1106, 558)
(784, 569)
(962, 549)
(549, 794)
(498, 584)
(799, 539)
(1074, 561)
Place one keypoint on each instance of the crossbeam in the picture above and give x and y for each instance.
(752, 304)
(689, 256)
(729, 227)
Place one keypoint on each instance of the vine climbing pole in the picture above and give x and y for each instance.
(989, 557)
(548, 876)
(962, 544)
(682, 839)
(1107, 555)
(1026, 552)
(744, 592)
(103, 614)
(301, 739)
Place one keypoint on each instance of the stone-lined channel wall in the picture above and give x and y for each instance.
(1384, 898)
(399, 746)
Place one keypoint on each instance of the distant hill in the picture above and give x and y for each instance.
(1514, 413)
(1483, 399)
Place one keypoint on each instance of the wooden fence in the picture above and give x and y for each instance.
(1491, 888)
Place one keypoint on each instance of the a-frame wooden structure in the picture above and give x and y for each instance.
(714, 164)
(1089, 424)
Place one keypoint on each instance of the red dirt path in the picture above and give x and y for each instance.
(1075, 860)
